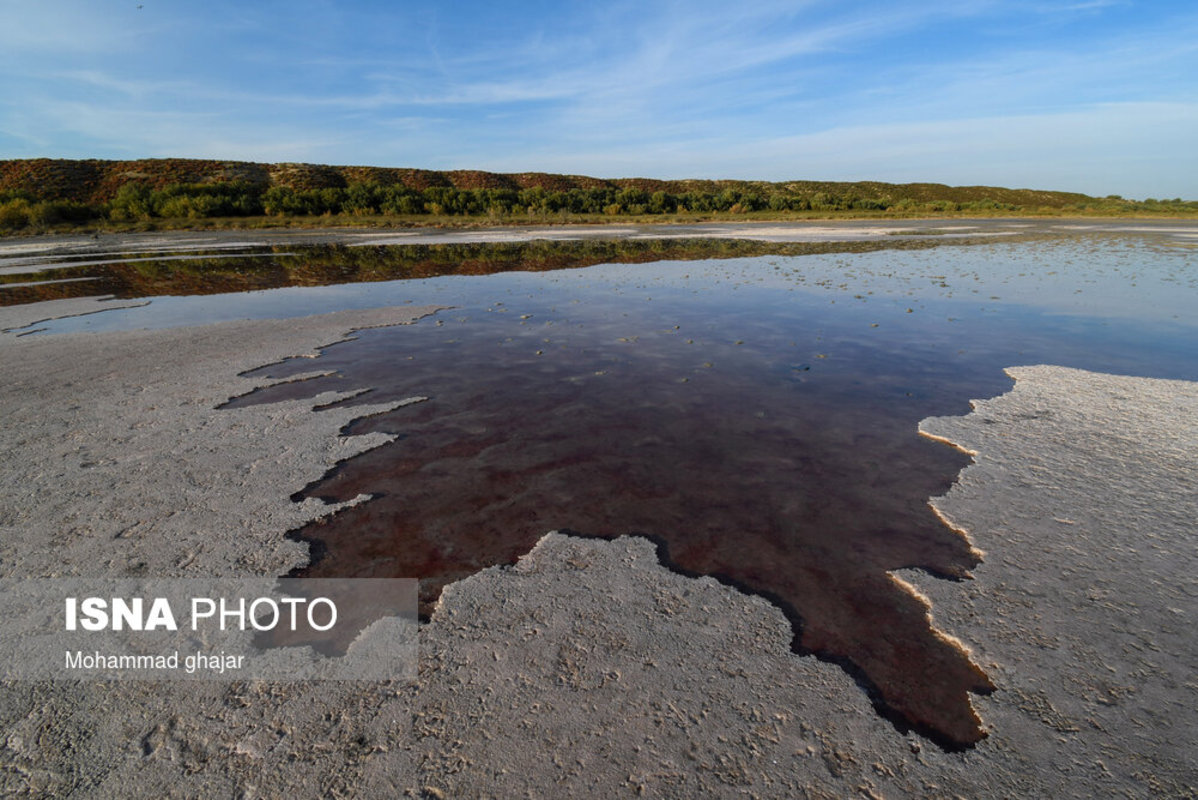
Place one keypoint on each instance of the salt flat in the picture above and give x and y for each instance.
(588, 667)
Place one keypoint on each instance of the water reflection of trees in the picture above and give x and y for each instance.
(155, 274)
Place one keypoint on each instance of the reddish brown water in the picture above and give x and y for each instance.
(797, 477)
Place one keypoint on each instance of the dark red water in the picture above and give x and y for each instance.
(746, 454)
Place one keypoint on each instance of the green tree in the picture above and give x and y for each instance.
(133, 201)
(661, 202)
(14, 214)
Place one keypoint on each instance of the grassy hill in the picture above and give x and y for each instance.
(95, 181)
(45, 193)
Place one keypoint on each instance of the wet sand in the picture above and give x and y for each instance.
(588, 669)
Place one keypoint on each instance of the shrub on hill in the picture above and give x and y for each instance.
(42, 193)
(19, 210)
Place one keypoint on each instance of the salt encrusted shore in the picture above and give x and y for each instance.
(588, 669)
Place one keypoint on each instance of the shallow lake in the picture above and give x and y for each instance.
(757, 417)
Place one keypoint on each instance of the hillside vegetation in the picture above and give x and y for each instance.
(45, 193)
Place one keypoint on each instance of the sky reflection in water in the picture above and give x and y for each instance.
(755, 417)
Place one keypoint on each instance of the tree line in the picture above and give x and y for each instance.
(137, 202)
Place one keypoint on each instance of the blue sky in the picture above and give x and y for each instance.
(1097, 96)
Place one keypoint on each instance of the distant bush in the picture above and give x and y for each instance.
(401, 200)
(42, 194)
(18, 213)
(52, 212)
(136, 201)
(662, 203)
(132, 202)
(14, 214)
(278, 201)
(16, 194)
(870, 204)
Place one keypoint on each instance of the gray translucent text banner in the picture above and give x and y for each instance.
(200, 629)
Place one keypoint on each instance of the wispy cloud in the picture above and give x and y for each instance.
(134, 88)
(696, 88)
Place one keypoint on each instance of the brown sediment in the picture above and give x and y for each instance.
(808, 496)
(948, 442)
(979, 555)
